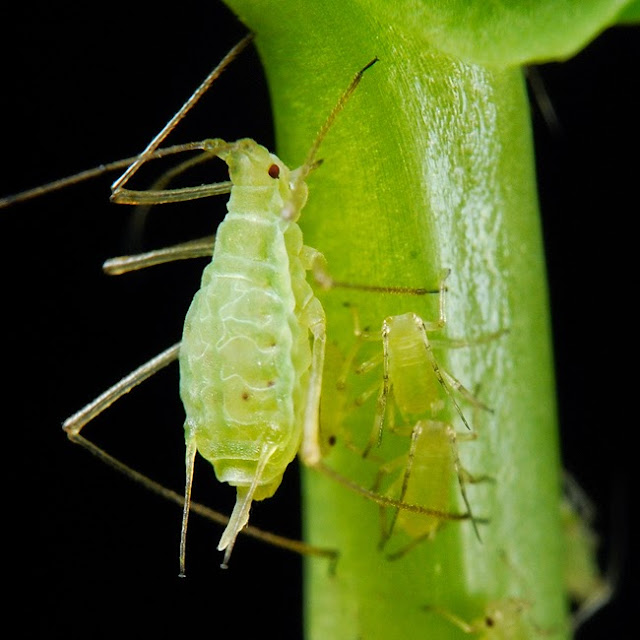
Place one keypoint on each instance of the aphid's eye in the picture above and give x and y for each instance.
(274, 171)
(489, 621)
(331, 441)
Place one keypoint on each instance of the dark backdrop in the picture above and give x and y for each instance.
(91, 554)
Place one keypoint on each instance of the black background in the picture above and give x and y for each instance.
(92, 555)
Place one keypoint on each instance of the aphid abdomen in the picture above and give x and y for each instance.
(432, 478)
(238, 381)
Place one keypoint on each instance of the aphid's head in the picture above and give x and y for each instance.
(277, 187)
(251, 165)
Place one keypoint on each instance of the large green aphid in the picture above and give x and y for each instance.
(251, 377)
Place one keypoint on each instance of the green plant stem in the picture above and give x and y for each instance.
(430, 166)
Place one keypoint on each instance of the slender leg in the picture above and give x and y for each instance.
(74, 424)
(190, 459)
(310, 449)
(95, 172)
(317, 264)
(117, 187)
(201, 248)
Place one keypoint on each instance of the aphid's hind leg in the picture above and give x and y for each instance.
(462, 479)
(381, 405)
(77, 421)
(445, 379)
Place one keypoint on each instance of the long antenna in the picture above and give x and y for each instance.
(181, 113)
(334, 113)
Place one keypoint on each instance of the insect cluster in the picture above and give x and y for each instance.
(252, 359)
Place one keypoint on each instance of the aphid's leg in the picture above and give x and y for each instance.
(415, 435)
(455, 620)
(381, 406)
(95, 172)
(165, 196)
(138, 219)
(320, 272)
(389, 502)
(201, 248)
(462, 343)
(190, 459)
(402, 551)
(240, 515)
(74, 424)
(440, 374)
(361, 336)
(464, 392)
(117, 187)
(462, 476)
(77, 421)
(313, 317)
(384, 470)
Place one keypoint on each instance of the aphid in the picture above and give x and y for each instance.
(419, 388)
(252, 353)
(501, 620)
(587, 588)
(431, 466)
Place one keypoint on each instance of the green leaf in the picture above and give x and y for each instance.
(630, 14)
(502, 32)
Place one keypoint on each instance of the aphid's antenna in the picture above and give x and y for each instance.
(310, 162)
(542, 99)
(88, 174)
(116, 187)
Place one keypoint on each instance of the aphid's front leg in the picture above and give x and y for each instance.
(381, 405)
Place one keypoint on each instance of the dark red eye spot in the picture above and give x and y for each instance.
(274, 171)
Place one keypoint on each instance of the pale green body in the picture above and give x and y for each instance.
(433, 472)
(245, 356)
(417, 392)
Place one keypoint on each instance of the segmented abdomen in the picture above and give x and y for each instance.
(432, 476)
(244, 357)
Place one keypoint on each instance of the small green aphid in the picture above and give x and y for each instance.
(587, 588)
(501, 620)
(430, 468)
(419, 389)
